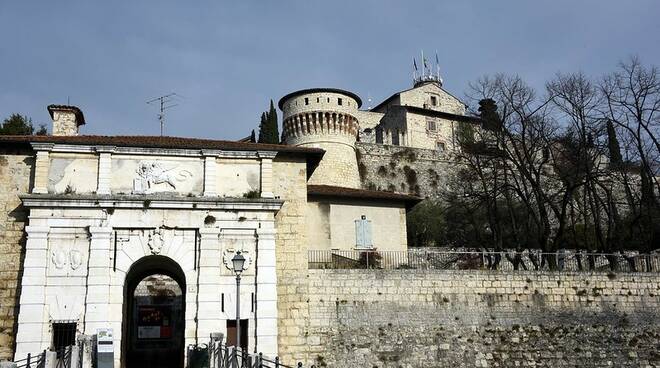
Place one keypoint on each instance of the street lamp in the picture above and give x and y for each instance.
(238, 263)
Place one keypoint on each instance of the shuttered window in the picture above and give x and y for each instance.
(363, 238)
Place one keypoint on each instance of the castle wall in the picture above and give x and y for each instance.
(403, 169)
(416, 318)
(15, 171)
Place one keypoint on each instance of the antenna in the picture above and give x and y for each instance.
(165, 102)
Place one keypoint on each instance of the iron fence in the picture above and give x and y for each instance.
(565, 260)
(218, 355)
(32, 361)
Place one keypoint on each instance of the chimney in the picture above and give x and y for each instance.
(66, 119)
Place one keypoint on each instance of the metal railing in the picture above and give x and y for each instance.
(511, 260)
(32, 361)
(216, 354)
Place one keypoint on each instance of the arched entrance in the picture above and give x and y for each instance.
(153, 326)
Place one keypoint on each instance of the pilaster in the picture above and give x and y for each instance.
(267, 174)
(210, 176)
(32, 316)
(98, 280)
(210, 317)
(105, 170)
(41, 167)
(266, 291)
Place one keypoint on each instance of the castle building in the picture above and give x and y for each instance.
(94, 224)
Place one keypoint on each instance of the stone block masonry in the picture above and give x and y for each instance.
(15, 170)
(422, 172)
(416, 318)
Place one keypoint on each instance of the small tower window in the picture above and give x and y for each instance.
(328, 99)
(339, 101)
(306, 101)
(440, 146)
(430, 125)
(434, 101)
(318, 100)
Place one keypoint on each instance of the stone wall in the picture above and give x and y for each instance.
(15, 171)
(403, 169)
(289, 179)
(415, 318)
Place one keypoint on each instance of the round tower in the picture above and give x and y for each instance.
(325, 118)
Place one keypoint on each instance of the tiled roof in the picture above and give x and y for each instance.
(160, 142)
(334, 191)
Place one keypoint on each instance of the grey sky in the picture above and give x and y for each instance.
(229, 58)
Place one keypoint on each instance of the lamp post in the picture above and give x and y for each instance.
(238, 262)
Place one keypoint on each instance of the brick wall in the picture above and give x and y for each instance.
(15, 169)
(411, 318)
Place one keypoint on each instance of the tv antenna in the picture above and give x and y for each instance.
(165, 102)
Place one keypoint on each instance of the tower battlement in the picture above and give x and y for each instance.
(325, 118)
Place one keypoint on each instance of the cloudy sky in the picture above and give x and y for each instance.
(228, 59)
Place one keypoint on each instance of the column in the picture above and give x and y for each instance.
(210, 178)
(105, 170)
(98, 282)
(266, 294)
(32, 332)
(210, 318)
(41, 167)
(267, 174)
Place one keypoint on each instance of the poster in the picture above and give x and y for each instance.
(154, 322)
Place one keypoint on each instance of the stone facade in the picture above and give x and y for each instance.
(15, 170)
(414, 318)
(422, 172)
(325, 118)
(97, 213)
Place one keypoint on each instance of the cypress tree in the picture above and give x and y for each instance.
(616, 160)
(273, 126)
(263, 128)
(269, 128)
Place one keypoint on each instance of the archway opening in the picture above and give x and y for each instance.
(154, 314)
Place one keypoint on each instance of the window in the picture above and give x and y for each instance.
(318, 100)
(339, 101)
(434, 101)
(306, 101)
(363, 233)
(430, 125)
(64, 334)
(440, 146)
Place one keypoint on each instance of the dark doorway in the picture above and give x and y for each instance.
(231, 333)
(154, 314)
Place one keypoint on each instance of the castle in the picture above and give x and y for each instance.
(135, 235)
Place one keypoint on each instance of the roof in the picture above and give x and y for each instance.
(80, 118)
(317, 90)
(159, 142)
(334, 191)
(312, 155)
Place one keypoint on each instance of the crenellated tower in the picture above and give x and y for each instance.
(325, 118)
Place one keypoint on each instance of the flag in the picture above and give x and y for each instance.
(415, 64)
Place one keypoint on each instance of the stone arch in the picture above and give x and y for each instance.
(139, 270)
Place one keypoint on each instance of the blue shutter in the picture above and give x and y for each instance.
(363, 234)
